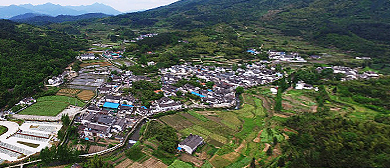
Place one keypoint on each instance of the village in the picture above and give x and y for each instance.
(113, 111)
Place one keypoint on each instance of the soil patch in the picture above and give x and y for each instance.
(125, 163)
(242, 146)
(286, 137)
(266, 147)
(258, 139)
(94, 148)
(153, 163)
(289, 130)
(188, 158)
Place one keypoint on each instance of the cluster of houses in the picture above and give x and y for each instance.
(143, 36)
(98, 124)
(279, 56)
(349, 73)
(283, 56)
(225, 80)
(112, 55)
(87, 56)
(56, 80)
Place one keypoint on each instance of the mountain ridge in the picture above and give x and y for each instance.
(54, 10)
(39, 19)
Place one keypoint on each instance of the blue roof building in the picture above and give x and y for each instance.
(197, 94)
(111, 105)
(127, 105)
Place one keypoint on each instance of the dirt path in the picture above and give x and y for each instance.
(188, 158)
(267, 146)
(242, 146)
(258, 139)
(314, 109)
(281, 115)
(266, 104)
(286, 137)
(289, 130)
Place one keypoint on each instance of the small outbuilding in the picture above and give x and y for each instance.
(190, 144)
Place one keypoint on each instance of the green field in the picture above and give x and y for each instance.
(3, 130)
(180, 164)
(51, 105)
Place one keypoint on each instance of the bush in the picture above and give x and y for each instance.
(135, 153)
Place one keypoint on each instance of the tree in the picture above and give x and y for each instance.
(253, 163)
(278, 101)
(97, 162)
(65, 120)
(210, 84)
(269, 151)
(240, 90)
(234, 67)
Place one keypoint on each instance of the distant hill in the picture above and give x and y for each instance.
(26, 16)
(357, 26)
(96, 8)
(13, 10)
(50, 9)
(36, 19)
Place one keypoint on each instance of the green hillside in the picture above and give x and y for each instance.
(358, 27)
(28, 55)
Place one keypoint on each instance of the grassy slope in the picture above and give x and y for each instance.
(3, 130)
(51, 105)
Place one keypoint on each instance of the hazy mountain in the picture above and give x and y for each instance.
(96, 8)
(26, 16)
(52, 9)
(44, 19)
(13, 10)
(55, 10)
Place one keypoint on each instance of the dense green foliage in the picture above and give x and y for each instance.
(166, 135)
(337, 142)
(97, 162)
(29, 55)
(372, 93)
(327, 139)
(61, 153)
(144, 91)
(135, 153)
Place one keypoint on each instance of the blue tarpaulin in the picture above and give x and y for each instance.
(197, 94)
(111, 105)
(127, 105)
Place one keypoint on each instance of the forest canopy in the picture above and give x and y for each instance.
(28, 56)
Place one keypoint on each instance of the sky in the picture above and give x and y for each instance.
(121, 5)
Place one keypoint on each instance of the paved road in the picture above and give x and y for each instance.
(12, 128)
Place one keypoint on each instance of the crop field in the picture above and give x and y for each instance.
(51, 105)
(86, 95)
(180, 164)
(68, 92)
(102, 64)
(176, 121)
(233, 137)
(299, 101)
